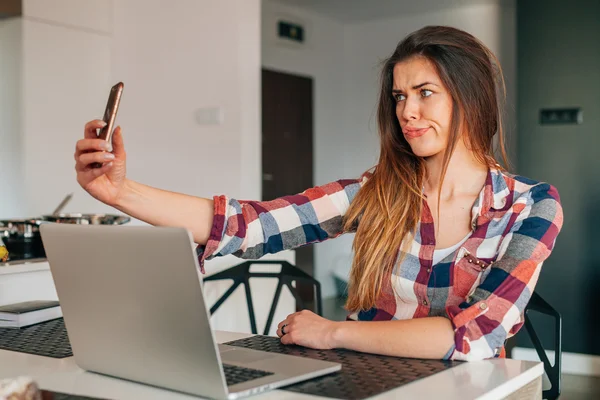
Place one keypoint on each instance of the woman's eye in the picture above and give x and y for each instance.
(426, 93)
(399, 97)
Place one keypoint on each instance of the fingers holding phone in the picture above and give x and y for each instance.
(105, 182)
(89, 152)
(91, 147)
(100, 156)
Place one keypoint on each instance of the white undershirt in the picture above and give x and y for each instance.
(440, 254)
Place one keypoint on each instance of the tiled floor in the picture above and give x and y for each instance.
(575, 387)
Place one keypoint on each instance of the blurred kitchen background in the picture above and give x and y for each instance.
(257, 99)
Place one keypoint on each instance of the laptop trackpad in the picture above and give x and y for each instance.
(245, 356)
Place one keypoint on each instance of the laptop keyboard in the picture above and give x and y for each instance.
(235, 374)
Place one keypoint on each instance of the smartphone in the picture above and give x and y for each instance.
(110, 115)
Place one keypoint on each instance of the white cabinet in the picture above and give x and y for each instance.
(25, 282)
(66, 74)
(11, 180)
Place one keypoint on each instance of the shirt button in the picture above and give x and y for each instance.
(483, 306)
(424, 302)
(428, 270)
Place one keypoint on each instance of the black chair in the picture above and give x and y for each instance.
(537, 303)
(240, 274)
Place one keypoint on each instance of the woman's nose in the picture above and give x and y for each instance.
(411, 109)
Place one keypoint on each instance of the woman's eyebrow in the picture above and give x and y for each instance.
(416, 87)
(423, 84)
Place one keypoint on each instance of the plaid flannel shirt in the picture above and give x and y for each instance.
(482, 287)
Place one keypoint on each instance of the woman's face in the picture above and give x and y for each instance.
(423, 106)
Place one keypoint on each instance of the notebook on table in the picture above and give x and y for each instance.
(27, 313)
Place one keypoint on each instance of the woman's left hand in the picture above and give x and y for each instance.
(306, 328)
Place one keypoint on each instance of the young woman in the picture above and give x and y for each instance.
(448, 245)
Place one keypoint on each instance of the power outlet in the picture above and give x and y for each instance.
(557, 116)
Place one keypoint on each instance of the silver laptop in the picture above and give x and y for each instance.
(134, 308)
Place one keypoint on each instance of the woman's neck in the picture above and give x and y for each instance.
(465, 174)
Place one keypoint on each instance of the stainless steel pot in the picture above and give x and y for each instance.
(20, 227)
(22, 236)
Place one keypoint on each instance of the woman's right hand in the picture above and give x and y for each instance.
(107, 182)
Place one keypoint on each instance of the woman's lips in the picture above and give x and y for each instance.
(415, 133)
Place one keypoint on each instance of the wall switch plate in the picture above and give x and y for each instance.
(557, 116)
(209, 116)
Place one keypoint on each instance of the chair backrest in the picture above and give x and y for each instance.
(538, 304)
(241, 274)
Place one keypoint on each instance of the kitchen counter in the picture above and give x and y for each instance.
(20, 266)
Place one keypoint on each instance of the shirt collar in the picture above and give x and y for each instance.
(493, 196)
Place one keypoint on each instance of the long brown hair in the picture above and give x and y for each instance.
(387, 209)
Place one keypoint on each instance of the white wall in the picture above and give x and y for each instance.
(321, 58)
(344, 61)
(66, 76)
(11, 187)
(174, 58)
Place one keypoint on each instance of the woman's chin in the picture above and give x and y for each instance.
(424, 152)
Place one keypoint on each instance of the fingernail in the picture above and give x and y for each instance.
(105, 146)
(102, 124)
(109, 156)
(109, 164)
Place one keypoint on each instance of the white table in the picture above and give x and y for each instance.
(485, 380)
